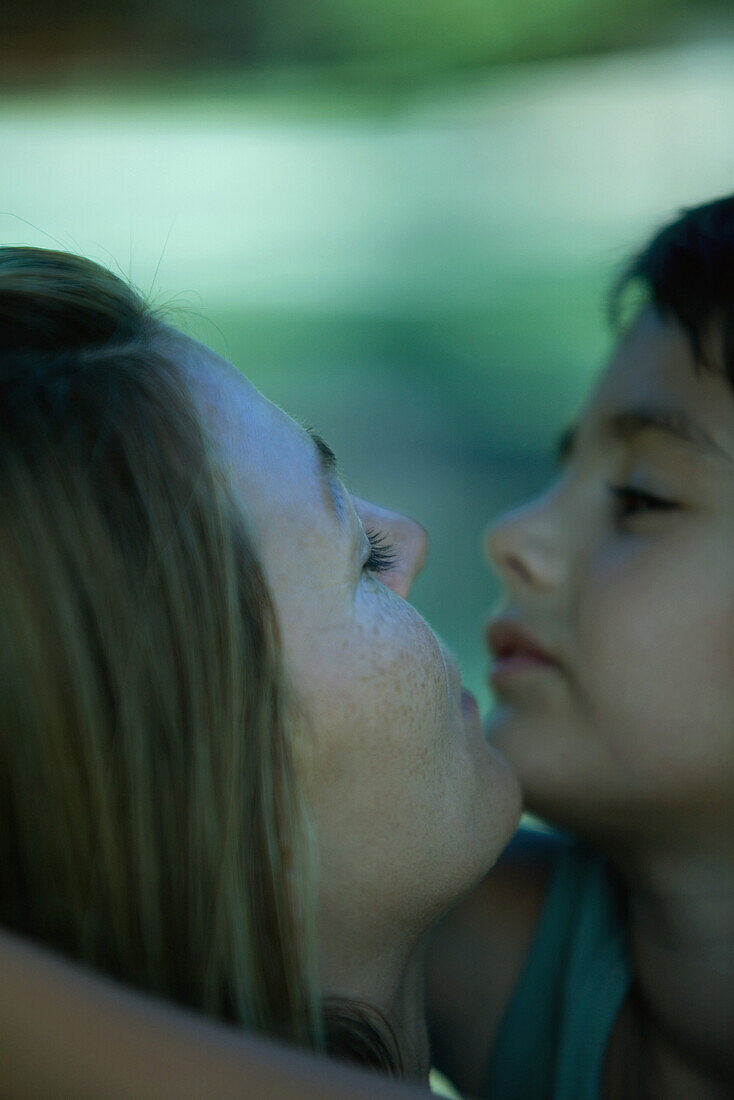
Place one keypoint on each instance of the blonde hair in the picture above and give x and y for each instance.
(150, 820)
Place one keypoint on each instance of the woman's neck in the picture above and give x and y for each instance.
(681, 935)
(392, 981)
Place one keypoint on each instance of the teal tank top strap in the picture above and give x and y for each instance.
(598, 981)
(552, 1040)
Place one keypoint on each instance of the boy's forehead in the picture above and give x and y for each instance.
(654, 349)
(654, 361)
(653, 376)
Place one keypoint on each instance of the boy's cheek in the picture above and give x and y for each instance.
(665, 704)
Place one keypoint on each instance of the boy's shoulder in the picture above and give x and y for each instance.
(502, 911)
(535, 843)
(478, 953)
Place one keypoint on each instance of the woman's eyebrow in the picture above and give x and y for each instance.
(327, 458)
(625, 424)
(329, 470)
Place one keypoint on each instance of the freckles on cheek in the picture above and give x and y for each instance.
(374, 691)
(407, 676)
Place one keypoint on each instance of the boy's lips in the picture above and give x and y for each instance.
(514, 650)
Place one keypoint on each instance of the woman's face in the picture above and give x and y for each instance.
(623, 572)
(408, 802)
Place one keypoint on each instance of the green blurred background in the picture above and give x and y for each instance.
(398, 218)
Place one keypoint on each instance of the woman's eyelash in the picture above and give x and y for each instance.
(382, 553)
(629, 501)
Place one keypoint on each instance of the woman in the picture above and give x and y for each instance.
(613, 675)
(238, 769)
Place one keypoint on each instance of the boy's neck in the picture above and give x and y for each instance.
(681, 935)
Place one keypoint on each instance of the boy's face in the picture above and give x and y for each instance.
(623, 572)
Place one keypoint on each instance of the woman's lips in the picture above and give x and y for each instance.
(514, 651)
(469, 705)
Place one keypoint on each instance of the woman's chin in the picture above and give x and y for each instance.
(499, 807)
(503, 795)
(508, 802)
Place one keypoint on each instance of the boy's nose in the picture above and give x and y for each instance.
(408, 538)
(524, 548)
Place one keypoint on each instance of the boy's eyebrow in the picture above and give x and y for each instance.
(628, 423)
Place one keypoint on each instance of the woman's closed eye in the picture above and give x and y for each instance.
(630, 501)
(382, 557)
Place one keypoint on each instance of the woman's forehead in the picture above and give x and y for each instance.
(234, 410)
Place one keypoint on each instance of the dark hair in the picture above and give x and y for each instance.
(687, 274)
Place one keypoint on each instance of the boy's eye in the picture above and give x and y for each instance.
(382, 555)
(629, 501)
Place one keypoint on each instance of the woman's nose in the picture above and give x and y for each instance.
(524, 546)
(407, 538)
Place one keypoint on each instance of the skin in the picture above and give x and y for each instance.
(410, 806)
(71, 1034)
(628, 739)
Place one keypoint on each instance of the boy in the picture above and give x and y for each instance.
(610, 972)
